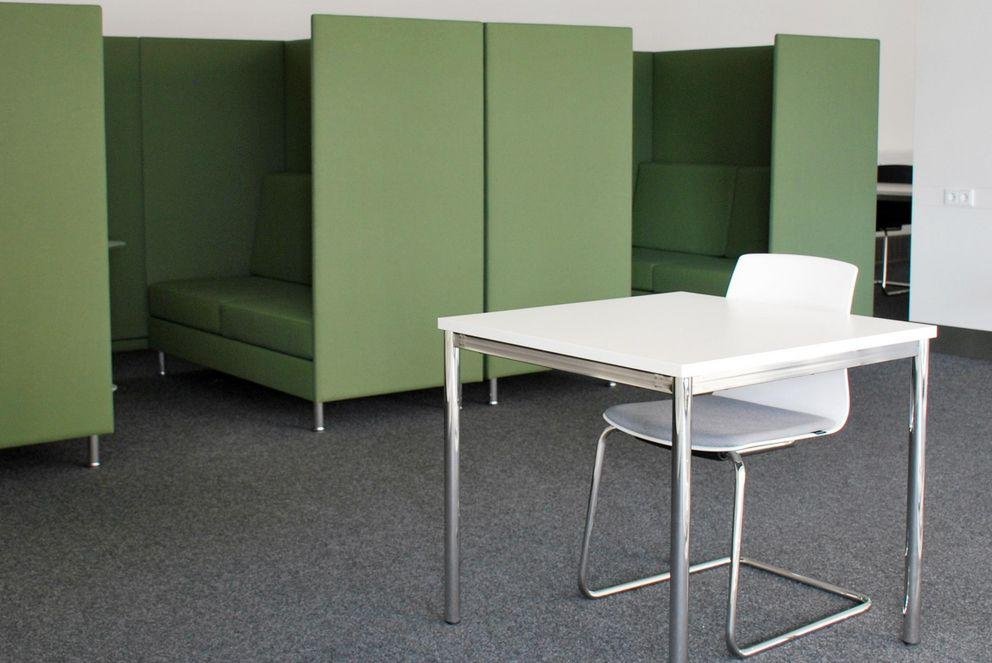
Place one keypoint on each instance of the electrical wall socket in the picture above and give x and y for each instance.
(959, 197)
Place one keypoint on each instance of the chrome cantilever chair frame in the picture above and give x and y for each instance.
(735, 560)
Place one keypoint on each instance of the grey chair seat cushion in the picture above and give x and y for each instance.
(719, 424)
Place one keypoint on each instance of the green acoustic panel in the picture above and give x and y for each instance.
(283, 247)
(558, 166)
(298, 133)
(643, 100)
(54, 292)
(713, 106)
(397, 196)
(825, 152)
(125, 189)
(213, 118)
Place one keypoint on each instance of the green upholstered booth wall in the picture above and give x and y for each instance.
(213, 124)
(643, 100)
(824, 152)
(713, 106)
(55, 378)
(125, 190)
(397, 199)
(298, 134)
(558, 167)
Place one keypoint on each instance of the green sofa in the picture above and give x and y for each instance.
(692, 222)
(269, 309)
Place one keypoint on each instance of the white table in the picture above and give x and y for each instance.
(687, 344)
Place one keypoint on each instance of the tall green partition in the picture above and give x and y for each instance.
(713, 106)
(125, 192)
(397, 199)
(558, 167)
(643, 100)
(54, 304)
(213, 124)
(298, 135)
(824, 152)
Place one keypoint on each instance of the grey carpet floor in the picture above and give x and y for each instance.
(221, 529)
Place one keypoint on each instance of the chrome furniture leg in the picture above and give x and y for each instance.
(452, 563)
(735, 560)
(94, 451)
(678, 625)
(161, 363)
(318, 416)
(493, 392)
(611, 384)
(884, 281)
(914, 495)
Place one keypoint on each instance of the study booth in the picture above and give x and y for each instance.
(757, 149)
(298, 213)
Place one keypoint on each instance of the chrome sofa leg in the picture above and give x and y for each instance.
(611, 384)
(161, 363)
(94, 451)
(318, 416)
(493, 392)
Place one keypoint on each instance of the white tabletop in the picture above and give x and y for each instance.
(684, 334)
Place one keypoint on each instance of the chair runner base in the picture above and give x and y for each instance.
(862, 602)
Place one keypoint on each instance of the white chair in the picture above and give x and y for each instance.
(734, 423)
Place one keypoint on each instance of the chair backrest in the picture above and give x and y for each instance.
(795, 280)
(283, 248)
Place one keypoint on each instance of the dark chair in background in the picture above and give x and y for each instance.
(893, 212)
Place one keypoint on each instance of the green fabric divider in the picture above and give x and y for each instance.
(197, 302)
(55, 378)
(683, 207)
(642, 267)
(709, 275)
(825, 153)
(713, 106)
(643, 119)
(748, 229)
(283, 248)
(558, 167)
(397, 186)
(298, 134)
(213, 125)
(283, 324)
(291, 375)
(125, 188)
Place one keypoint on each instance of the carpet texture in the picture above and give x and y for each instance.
(220, 528)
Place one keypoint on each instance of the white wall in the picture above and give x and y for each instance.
(658, 25)
(951, 262)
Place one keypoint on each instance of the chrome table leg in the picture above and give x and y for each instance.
(452, 563)
(678, 627)
(914, 495)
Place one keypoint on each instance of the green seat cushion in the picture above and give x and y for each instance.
(280, 323)
(642, 267)
(689, 272)
(196, 302)
(283, 247)
(683, 207)
(748, 231)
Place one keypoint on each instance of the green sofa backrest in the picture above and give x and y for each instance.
(683, 207)
(283, 246)
(748, 231)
